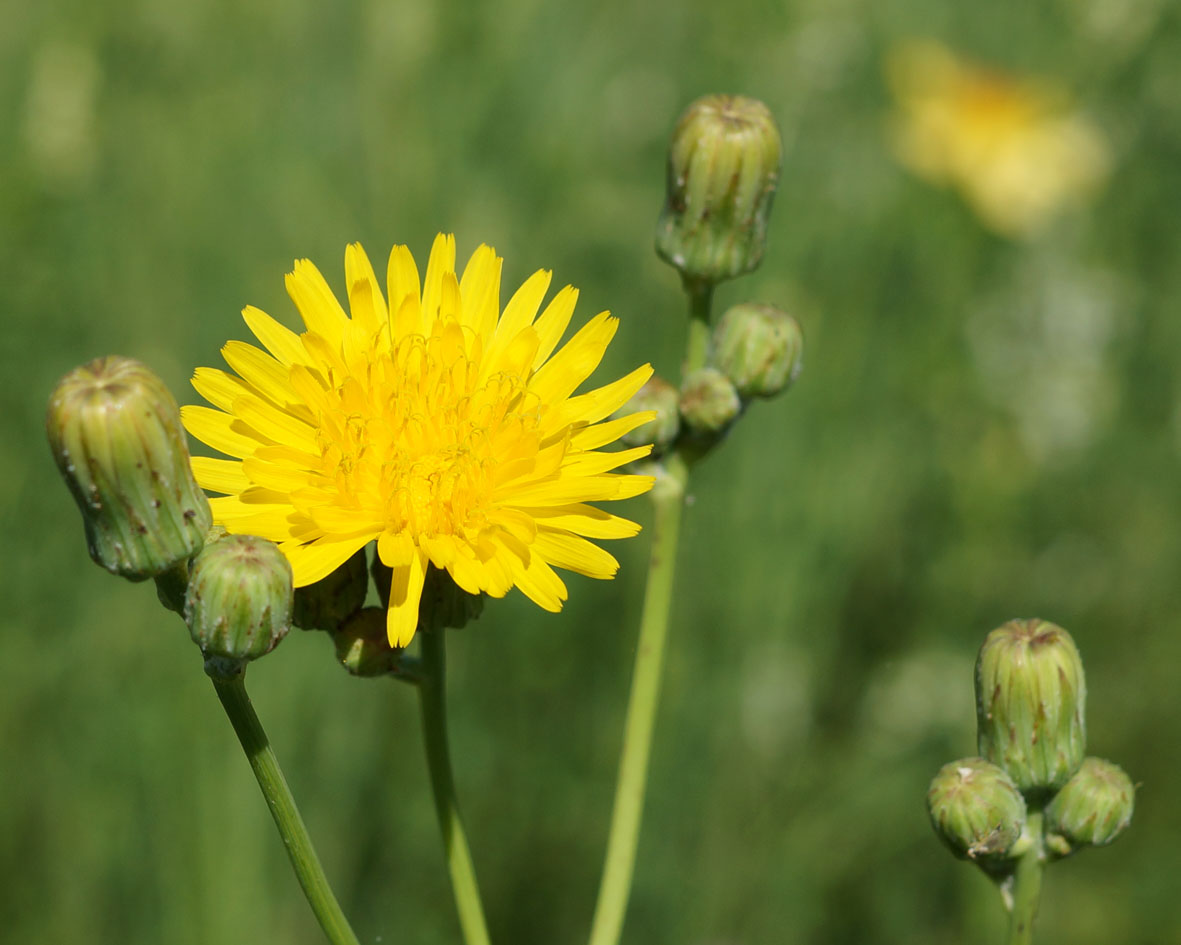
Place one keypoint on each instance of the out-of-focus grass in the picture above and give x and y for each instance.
(160, 166)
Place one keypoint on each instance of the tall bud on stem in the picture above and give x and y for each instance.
(1030, 698)
(723, 167)
(115, 433)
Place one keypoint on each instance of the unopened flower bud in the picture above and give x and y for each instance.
(116, 436)
(723, 167)
(977, 810)
(709, 403)
(1092, 809)
(323, 605)
(362, 644)
(658, 395)
(444, 604)
(238, 603)
(759, 348)
(1030, 700)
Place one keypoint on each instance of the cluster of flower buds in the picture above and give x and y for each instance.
(1031, 735)
(115, 433)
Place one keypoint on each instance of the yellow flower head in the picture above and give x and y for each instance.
(1012, 146)
(437, 425)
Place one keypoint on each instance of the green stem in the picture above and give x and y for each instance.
(700, 300)
(668, 500)
(231, 691)
(432, 693)
(1027, 884)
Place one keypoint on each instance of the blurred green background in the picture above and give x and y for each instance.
(985, 428)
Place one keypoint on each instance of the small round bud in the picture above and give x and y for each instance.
(1030, 696)
(759, 348)
(723, 167)
(1093, 808)
(709, 403)
(977, 810)
(362, 644)
(115, 433)
(325, 604)
(661, 431)
(443, 604)
(238, 603)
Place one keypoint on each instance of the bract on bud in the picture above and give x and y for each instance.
(1092, 809)
(977, 810)
(723, 167)
(709, 403)
(238, 603)
(443, 605)
(323, 605)
(661, 431)
(1030, 701)
(115, 433)
(362, 644)
(759, 348)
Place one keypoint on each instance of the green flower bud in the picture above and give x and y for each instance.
(723, 167)
(1030, 695)
(658, 395)
(444, 604)
(238, 603)
(759, 348)
(362, 644)
(977, 811)
(709, 403)
(1093, 808)
(323, 605)
(115, 433)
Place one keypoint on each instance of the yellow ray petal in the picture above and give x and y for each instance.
(577, 359)
(259, 370)
(278, 339)
(402, 280)
(594, 405)
(405, 597)
(537, 581)
(591, 464)
(225, 433)
(442, 260)
(575, 554)
(318, 307)
(552, 323)
(310, 563)
(219, 475)
(600, 434)
(480, 288)
(218, 387)
(365, 301)
(586, 520)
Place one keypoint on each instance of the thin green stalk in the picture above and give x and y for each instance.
(668, 500)
(232, 693)
(700, 299)
(432, 696)
(1027, 884)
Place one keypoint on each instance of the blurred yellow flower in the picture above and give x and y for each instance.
(439, 426)
(1012, 146)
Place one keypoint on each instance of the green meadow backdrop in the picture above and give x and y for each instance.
(984, 429)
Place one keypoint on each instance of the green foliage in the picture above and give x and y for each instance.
(985, 430)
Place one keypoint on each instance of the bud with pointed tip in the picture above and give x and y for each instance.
(1092, 809)
(238, 603)
(660, 396)
(759, 348)
(333, 599)
(709, 403)
(115, 433)
(977, 811)
(362, 644)
(1030, 699)
(723, 167)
